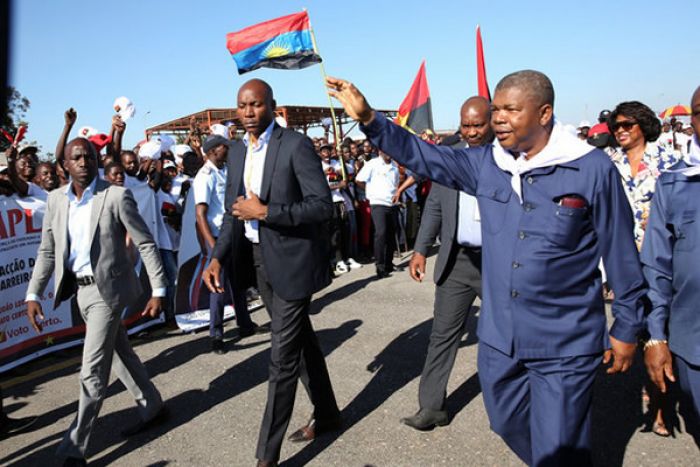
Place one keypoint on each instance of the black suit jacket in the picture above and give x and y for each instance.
(293, 239)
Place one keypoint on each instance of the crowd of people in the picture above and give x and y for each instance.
(518, 226)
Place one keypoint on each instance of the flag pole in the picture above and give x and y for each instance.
(336, 132)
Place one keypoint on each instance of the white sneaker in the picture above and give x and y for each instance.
(341, 268)
(353, 264)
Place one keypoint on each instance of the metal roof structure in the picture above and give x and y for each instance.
(300, 118)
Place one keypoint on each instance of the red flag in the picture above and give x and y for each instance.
(415, 112)
(481, 67)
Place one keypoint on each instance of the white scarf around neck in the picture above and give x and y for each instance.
(693, 160)
(561, 148)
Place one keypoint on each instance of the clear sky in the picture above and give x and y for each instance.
(170, 57)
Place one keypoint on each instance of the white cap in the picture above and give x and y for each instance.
(87, 131)
(150, 150)
(166, 142)
(281, 121)
(219, 129)
(584, 123)
(180, 150)
(124, 107)
(168, 164)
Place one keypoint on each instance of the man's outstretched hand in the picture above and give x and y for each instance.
(351, 99)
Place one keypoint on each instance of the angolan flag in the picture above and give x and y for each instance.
(283, 43)
(416, 112)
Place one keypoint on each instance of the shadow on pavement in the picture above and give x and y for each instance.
(398, 364)
(188, 405)
(339, 294)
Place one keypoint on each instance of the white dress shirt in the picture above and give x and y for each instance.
(79, 213)
(468, 221)
(253, 174)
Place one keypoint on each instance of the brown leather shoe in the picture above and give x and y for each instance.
(267, 463)
(314, 428)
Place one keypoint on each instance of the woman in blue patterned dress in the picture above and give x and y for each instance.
(640, 161)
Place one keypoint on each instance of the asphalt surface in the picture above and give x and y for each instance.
(375, 334)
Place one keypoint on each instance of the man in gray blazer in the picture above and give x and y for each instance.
(83, 242)
(455, 217)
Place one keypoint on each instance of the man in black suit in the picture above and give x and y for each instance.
(279, 202)
(454, 216)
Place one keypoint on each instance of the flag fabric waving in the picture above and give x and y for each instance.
(481, 67)
(415, 112)
(283, 43)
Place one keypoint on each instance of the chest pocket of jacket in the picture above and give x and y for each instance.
(684, 229)
(493, 206)
(566, 226)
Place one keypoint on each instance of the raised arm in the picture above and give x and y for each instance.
(69, 117)
(443, 164)
(114, 148)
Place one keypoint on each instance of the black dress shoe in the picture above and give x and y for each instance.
(74, 462)
(381, 273)
(425, 419)
(12, 426)
(247, 331)
(159, 418)
(315, 428)
(217, 346)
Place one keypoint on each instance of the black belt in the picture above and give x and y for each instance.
(85, 280)
(471, 249)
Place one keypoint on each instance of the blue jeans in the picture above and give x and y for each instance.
(169, 258)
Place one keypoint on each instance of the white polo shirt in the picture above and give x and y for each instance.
(382, 181)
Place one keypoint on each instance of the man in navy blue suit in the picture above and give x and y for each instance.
(551, 207)
(669, 256)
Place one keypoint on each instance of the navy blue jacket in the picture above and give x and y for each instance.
(542, 294)
(670, 262)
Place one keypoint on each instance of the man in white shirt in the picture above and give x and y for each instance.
(380, 179)
(209, 190)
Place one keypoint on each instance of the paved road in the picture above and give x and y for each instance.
(374, 334)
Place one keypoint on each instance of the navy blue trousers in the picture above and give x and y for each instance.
(540, 407)
(217, 301)
(689, 381)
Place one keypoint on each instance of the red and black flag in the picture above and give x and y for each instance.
(481, 67)
(416, 112)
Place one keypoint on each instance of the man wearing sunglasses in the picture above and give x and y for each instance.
(546, 200)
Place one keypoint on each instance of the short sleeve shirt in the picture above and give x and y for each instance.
(209, 188)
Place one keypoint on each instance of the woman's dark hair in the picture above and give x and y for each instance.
(643, 115)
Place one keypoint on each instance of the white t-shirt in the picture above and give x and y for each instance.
(682, 140)
(666, 140)
(168, 238)
(146, 203)
(333, 175)
(382, 180)
(177, 184)
(209, 188)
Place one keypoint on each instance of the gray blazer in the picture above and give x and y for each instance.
(439, 218)
(114, 214)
